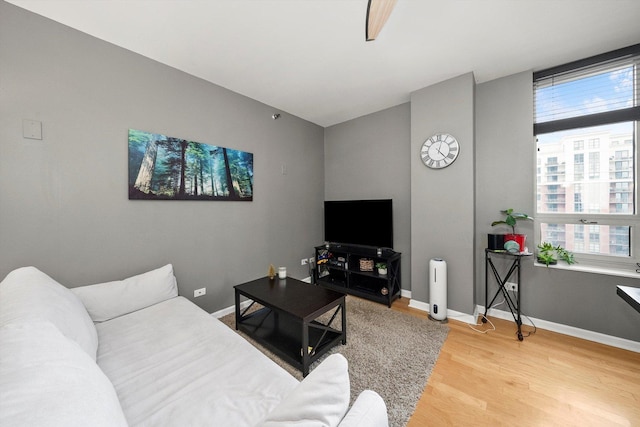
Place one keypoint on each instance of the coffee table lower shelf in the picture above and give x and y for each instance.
(282, 334)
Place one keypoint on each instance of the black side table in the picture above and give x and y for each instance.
(514, 306)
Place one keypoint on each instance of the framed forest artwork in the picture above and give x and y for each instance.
(167, 168)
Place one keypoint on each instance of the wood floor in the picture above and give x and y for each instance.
(549, 379)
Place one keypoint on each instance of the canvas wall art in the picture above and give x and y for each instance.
(167, 168)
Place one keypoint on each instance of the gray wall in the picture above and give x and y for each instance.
(63, 200)
(505, 179)
(442, 201)
(366, 158)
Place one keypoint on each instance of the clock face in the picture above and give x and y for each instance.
(439, 151)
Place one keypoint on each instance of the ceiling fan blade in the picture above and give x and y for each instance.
(378, 12)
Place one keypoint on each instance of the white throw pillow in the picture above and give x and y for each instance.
(47, 380)
(28, 294)
(320, 400)
(105, 301)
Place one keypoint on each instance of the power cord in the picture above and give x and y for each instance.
(493, 327)
(535, 328)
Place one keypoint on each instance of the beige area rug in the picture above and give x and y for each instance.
(390, 352)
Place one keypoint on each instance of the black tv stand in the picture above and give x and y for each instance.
(338, 267)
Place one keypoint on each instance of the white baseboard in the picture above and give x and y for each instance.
(567, 330)
(451, 314)
(539, 323)
(232, 309)
(419, 305)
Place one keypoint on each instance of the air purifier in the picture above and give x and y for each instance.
(438, 289)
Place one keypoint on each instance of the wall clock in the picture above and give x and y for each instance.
(439, 151)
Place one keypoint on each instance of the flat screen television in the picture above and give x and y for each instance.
(359, 222)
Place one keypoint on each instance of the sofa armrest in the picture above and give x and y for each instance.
(369, 410)
(321, 399)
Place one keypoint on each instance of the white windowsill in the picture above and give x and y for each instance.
(619, 272)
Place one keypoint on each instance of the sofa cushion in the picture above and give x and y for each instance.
(28, 294)
(173, 364)
(320, 400)
(47, 380)
(108, 300)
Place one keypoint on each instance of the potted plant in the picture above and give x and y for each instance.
(549, 254)
(511, 218)
(382, 268)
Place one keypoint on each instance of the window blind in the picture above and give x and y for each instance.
(594, 91)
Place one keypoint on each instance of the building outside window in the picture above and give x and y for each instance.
(578, 167)
(586, 128)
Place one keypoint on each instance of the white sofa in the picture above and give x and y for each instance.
(133, 352)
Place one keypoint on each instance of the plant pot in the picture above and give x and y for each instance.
(520, 239)
(495, 241)
(382, 271)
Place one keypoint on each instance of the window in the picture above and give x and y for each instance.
(594, 165)
(578, 167)
(586, 128)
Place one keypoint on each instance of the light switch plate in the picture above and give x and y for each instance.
(31, 129)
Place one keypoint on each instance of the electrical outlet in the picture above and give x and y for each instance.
(199, 292)
(511, 286)
(304, 261)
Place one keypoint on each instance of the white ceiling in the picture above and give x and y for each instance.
(309, 57)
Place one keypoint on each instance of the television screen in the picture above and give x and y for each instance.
(359, 222)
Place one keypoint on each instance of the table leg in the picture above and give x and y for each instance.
(305, 349)
(237, 309)
(520, 336)
(486, 287)
(343, 304)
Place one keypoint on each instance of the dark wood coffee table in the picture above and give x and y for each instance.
(287, 323)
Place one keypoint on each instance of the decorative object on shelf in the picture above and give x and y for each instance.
(282, 272)
(310, 351)
(512, 246)
(384, 291)
(439, 151)
(382, 269)
(323, 257)
(549, 254)
(495, 241)
(271, 272)
(511, 219)
(366, 264)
